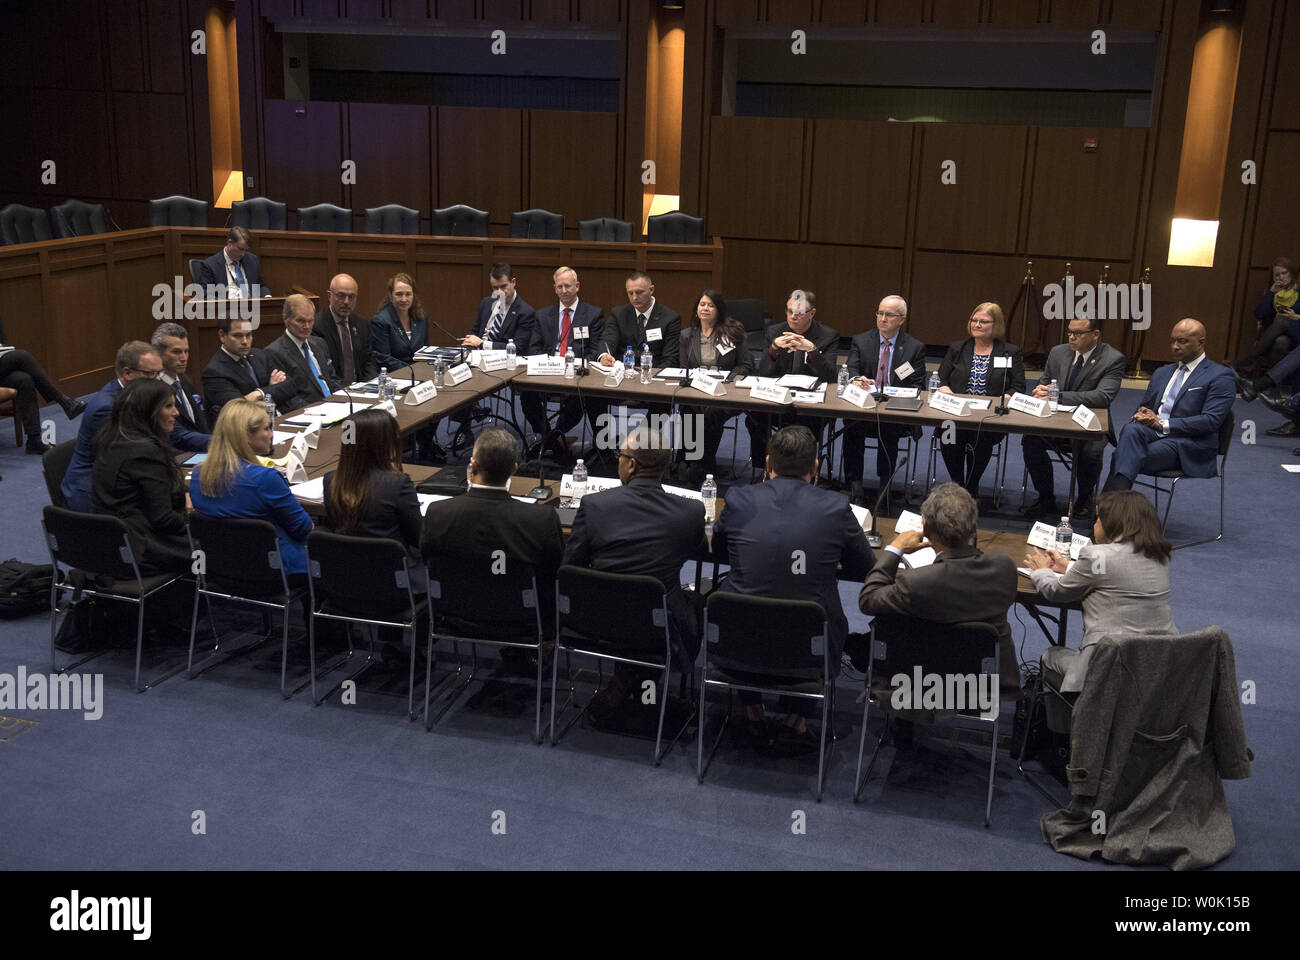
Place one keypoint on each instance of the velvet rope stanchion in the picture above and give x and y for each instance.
(1028, 294)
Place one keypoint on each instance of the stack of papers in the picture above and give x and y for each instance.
(328, 411)
(310, 490)
(798, 381)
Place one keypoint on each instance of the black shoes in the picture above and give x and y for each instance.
(1042, 509)
(1082, 511)
(1287, 429)
(73, 408)
(1250, 389)
(36, 445)
(1278, 404)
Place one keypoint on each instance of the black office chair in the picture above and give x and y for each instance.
(193, 265)
(1173, 476)
(325, 218)
(19, 224)
(76, 218)
(492, 601)
(363, 580)
(54, 465)
(259, 213)
(612, 617)
(178, 211)
(393, 219)
(605, 230)
(92, 557)
(675, 227)
(240, 562)
(768, 646)
(969, 650)
(459, 220)
(536, 224)
(749, 311)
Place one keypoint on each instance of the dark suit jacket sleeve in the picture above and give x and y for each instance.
(577, 550)
(916, 357)
(824, 366)
(594, 345)
(364, 357)
(671, 356)
(552, 550)
(719, 544)
(744, 362)
(408, 512)
(950, 366)
(381, 341)
(284, 391)
(328, 371)
(883, 592)
(856, 356)
(183, 438)
(480, 322)
(205, 275)
(610, 335)
(218, 389)
(252, 268)
(1219, 395)
(1102, 395)
(157, 503)
(766, 364)
(527, 338)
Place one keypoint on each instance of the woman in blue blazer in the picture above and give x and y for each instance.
(232, 483)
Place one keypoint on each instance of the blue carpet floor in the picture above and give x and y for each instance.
(286, 784)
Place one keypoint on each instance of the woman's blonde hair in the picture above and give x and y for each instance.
(230, 446)
(999, 320)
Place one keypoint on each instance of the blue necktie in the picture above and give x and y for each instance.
(1172, 397)
(182, 401)
(311, 365)
(239, 278)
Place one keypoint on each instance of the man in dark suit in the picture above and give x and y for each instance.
(1176, 427)
(503, 316)
(232, 265)
(784, 539)
(642, 319)
(553, 334)
(963, 583)
(172, 341)
(239, 369)
(347, 336)
(304, 357)
(640, 528)
(884, 357)
(1088, 372)
(20, 372)
(802, 346)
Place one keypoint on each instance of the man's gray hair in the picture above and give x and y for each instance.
(159, 339)
(902, 304)
(950, 515)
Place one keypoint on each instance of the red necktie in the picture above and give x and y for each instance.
(564, 331)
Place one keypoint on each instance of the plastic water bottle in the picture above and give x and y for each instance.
(709, 494)
(269, 402)
(629, 358)
(933, 384)
(512, 355)
(1053, 396)
(843, 383)
(439, 373)
(647, 361)
(386, 389)
(569, 363)
(579, 480)
(1064, 537)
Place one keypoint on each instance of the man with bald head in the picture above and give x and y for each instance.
(1176, 427)
(347, 337)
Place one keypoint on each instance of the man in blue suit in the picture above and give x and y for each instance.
(1177, 425)
(503, 316)
(232, 265)
(785, 539)
(135, 359)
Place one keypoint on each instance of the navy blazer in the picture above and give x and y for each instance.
(1199, 412)
(285, 354)
(199, 422)
(212, 272)
(517, 325)
(954, 372)
(389, 343)
(546, 330)
(864, 358)
(622, 330)
(225, 380)
(760, 528)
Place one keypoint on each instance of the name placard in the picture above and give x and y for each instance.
(616, 375)
(907, 520)
(594, 484)
(460, 373)
(388, 407)
(1030, 405)
(1044, 537)
(545, 366)
(418, 394)
(770, 392)
(493, 360)
(1001, 362)
(653, 333)
(1085, 418)
(947, 403)
(294, 471)
(312, 434)
(705, 384)
(298, 448)
(859, 397)
(903, 393)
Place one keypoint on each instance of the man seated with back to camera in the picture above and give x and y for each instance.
(760, 528)
(640, 528)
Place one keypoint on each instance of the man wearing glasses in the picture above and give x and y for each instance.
(135, 359)
(347, 338)
(1088, 372)
(879, 358)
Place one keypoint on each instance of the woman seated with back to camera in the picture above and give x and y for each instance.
(1122, 578)
(715, 340)
(136, 477)
(369, 495)
(232, 482)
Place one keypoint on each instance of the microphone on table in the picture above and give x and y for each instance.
(874, 540)
(453, 337)
(580, 367)
(541, 492)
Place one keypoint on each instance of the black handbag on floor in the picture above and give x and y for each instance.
(24, 588)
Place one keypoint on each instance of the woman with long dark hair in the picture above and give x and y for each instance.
(714, 340)
(369, 495)
(135, 475)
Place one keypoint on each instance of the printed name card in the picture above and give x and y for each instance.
(907, 520)
(546, 366)
(388, 407)
(1001, 362)
(594, 484)
(312, 435)
(1043, 536)
(770, 391)
(460, 373)
(859, 397)
(298, 448)
(947, 403)
(903, 393)
(418, 394)
(294, 471)
(1030, 405)
(653, 333)
(616, 375)
(493, 360)
(706, 384)
(723, 349)
(580, 333)
(1085, 418)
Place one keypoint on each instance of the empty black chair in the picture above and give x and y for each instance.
(325, 218)
(394, 219)
(258, 213)
(193, 264)
(76, 218)
(92, 557)
(460, 221)
(19, 224)
(605, 230)
(54, 464)
(178, 211)
(536, 224)
(675, 227)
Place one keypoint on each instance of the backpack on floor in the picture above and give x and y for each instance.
(24, 588)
